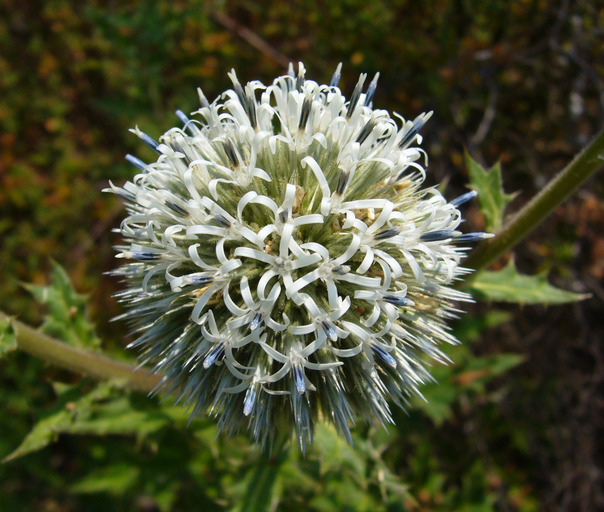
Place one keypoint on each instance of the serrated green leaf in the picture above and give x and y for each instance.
(115, 479)
(46, 430)
(502, 363)
(71, 405)
(491, 197)
(479, 371)
(116, 417)
(507, 285)
(8, 336)
(67, 318)
(100, 411)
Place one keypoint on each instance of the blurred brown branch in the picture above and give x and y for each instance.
(250, 37)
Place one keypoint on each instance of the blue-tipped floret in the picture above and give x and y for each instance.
(182, 116)
(398, 301)
(213, 355)
(299, 379)
(437, 236)
(386, 233)
(464, 198)
(472, 237)
(386, 357)
(136, 162)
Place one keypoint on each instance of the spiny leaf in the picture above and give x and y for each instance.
(502, 363)
(491, 197)
(46, 430)
(479, 371)
(8, 336)
(115, 479)
(507, 285)
(67, 319)
(99, 411)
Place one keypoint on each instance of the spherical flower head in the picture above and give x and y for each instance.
(285, 263)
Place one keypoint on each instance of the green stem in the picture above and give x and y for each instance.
(79, 360)
(584, 165)
(259, 493)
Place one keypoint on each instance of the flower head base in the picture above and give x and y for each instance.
(285, 264)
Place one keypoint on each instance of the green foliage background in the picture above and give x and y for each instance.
(515, 423)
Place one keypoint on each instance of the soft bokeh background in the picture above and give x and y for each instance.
(516, 81)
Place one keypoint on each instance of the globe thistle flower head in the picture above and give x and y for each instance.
(285, 264)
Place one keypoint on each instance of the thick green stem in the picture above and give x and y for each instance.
(584, 165)
(260, 489)
(79, 360)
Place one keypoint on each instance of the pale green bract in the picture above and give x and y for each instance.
(286, 265)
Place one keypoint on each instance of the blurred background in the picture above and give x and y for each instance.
(516, 81)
